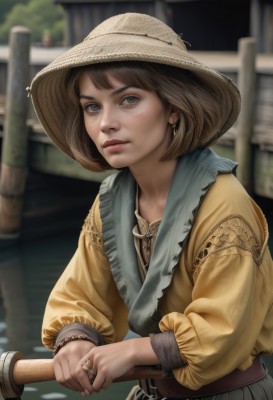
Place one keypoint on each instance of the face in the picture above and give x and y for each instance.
(129, 126)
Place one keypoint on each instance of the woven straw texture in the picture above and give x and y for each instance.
(124, 37)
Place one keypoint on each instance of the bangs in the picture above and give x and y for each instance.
(199, 103)
(129, 73)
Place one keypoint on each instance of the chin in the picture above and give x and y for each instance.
(118, 165)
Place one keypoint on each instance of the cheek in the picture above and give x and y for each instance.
(90, 128)
(157, 119)
(150, 116)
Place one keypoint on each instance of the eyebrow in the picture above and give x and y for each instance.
(114, 93)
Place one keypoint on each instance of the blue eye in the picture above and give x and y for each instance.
(91, 107)
(130, 99)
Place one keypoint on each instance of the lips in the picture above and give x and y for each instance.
(110, 143)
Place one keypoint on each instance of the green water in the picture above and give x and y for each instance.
(28, 271)
(27, 274)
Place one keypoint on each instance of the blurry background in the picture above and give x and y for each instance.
(56, 193)
(205, 24)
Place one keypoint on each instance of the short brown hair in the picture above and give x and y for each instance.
(197, 102)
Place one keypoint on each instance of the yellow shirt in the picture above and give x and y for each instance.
(219, 304)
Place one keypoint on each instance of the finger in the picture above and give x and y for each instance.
(71, 377)
(91, 373)
(85, 393)
(106, 383)
(72, 384)
(101, 382)
(64, 376)
(60, 377)
(85, 378)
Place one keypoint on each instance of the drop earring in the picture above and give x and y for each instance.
(174, 132)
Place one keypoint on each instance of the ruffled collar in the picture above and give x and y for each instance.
(195, 173)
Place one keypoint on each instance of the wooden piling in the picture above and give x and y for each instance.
(245, 123)
(161, 10)
(15, 141)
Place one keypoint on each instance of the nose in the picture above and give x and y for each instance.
(109, 120)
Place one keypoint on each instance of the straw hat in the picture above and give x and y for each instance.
(124, 37)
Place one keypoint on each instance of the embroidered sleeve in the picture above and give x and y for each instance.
(92, 231)
(233, 231)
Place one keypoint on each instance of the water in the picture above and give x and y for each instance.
(27, 274)
(28, 271)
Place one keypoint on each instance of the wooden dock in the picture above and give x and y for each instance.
(44, 158)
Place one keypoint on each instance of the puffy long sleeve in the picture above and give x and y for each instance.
(86, 291)
(218, 306)
(221, 314)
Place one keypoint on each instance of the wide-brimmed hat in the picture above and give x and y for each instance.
(124, 37)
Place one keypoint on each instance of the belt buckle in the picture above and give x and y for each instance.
(149, 387)
(152, 389)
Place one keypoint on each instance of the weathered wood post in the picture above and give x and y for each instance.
(245, 123)
(15, 141)
(161, 10)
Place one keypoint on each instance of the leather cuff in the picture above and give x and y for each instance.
(79, 329)
(165, 347)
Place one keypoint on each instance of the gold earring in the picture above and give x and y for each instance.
(174, 129)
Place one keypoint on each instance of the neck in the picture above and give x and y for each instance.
(156, 179)
(154, 185)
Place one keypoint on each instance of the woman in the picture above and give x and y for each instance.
(173, 247)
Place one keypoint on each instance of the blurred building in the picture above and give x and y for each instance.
(210, 25)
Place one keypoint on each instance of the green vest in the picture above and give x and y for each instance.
(195, 173)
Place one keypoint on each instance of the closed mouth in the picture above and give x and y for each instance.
(109, 143)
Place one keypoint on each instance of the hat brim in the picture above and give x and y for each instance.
(48, 87)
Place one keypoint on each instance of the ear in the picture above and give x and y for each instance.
(173, 117)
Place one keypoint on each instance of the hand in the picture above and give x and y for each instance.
(65, 366)
(109, 362)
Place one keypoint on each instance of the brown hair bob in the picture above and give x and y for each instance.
(200, 106)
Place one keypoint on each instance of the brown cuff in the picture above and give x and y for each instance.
(79, 329)
(165, 347)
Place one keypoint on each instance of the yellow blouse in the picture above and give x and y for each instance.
(219, 303)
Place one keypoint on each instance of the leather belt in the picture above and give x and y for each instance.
(169, 387)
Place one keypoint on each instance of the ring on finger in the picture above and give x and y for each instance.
(90, 372)
(91, 375)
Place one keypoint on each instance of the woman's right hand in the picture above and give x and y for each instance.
(65, 362)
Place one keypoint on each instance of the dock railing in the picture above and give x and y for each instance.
(24, 143)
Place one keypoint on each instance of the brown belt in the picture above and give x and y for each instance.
(169, 387)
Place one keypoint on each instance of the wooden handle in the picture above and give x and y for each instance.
(31, 371)
(41, 370)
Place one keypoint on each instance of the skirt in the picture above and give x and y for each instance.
(261, 390)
